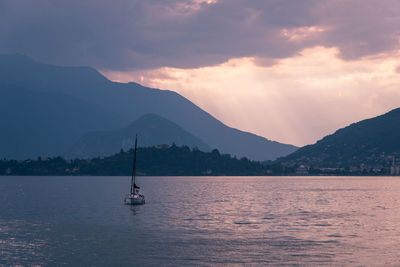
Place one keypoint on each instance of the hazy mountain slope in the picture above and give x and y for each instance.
(42, 124)
(367, 141)
(152, 130)
(133, 100)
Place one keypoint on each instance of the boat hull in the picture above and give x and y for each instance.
(134, 200)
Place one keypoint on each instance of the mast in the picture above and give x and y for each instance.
(133, 179)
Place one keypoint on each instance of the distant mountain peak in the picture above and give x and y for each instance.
(24, 71)
(152, 118)
(152, 130)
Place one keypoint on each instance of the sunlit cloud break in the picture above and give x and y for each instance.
(298, 34)
(296, 100)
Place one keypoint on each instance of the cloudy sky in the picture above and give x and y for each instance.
(291, 71)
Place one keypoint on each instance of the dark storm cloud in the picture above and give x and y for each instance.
(359, 28)
(125, 34)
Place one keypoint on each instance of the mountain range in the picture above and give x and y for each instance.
(50, 107)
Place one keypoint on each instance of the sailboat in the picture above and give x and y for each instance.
(134, 197)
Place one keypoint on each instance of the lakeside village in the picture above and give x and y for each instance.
(374, 166)
(302, 170)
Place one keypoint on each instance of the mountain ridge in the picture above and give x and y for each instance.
(371, 141)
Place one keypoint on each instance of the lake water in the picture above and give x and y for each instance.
(82, 221)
